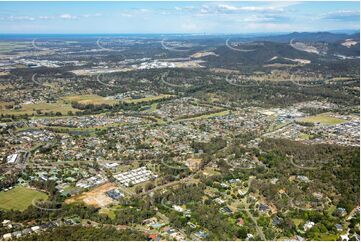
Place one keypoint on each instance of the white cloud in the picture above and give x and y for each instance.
(184, 8)
(257, 19)
(64, 16)
(20, 18)
(127, 15)
(68, 16)
(45, 17)
(343, 15)
(92, 15)
(250, 8)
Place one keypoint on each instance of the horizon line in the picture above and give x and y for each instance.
(346, 31)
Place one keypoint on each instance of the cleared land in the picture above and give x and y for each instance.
(10, 46)
(20, 198)
(40, 108)
(147, 99)
(90, 99)
(324, 118)
(202, 54)
(304, 136)
(205, 116)
(3, 105)
(193, 163)
(95, 197)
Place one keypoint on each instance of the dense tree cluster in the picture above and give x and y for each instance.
(74, 233)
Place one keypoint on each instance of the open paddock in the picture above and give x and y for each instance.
(90, 99)
(40, 109)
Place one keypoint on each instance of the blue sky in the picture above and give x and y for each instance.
(177, 17)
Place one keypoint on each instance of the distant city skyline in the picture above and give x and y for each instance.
(177, 17)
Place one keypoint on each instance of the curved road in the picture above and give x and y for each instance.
(235, 49)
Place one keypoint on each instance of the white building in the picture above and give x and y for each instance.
(11, 158)
(308, 225)
(7, 236)
(135, 176)
(178, 208)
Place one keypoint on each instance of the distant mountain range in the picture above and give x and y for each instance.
(309, 36)
(330, 37)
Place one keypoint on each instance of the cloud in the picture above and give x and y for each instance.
(68, 16)
(227, 7)
(45, 17)
(19, 18)
(126, 15)
(343, 15)
(64, 16)
(265, 19)
(143, 10)
(135, 12)
(185, 8)
(212, 9)
(223, 9)
(91, 15)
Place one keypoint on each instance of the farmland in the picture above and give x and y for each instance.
(89, 99)
(40, 108)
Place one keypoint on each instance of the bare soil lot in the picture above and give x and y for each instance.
(95, 197)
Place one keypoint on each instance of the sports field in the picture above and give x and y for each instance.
(19, 198)
(324, 118)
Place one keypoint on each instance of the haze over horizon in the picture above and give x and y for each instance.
(177, 17)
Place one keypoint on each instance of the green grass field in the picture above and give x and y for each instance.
(329, 237)
(109, 212)
(30, 109)
(63, 105)
(146, 99)
(153, 107)
(304, 136)
(19, 198)
(323, 118)
(90, 99)
(297, 221)
(205, 116)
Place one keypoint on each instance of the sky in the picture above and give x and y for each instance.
(200, 17)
